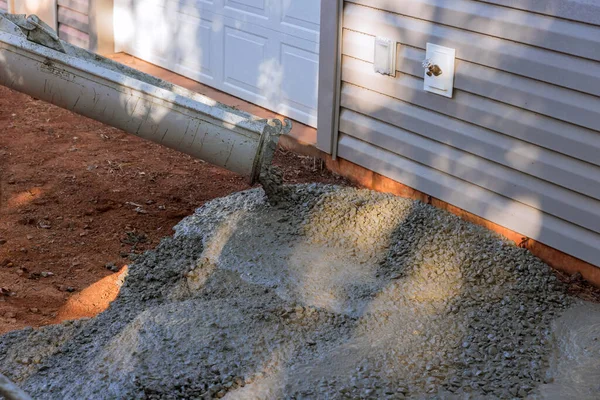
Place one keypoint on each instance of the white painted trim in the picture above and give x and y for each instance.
(330, 57)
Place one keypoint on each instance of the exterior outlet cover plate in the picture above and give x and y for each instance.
(385, 56)
(443, 57)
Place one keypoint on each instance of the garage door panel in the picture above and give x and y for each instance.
(245, 53)
(263, 51)
(299, 86)
(194, 48)
(152, 34)
(301, 15)
(293, 17)
(194, 8)
(254, 7)
(300, 18)
(173, 40)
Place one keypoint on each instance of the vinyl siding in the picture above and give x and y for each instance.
(519, 144)
(73, 22)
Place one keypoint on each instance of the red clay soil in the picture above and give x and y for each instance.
(78, 197)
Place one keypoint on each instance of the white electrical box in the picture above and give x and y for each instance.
(439, 70)
(385, 56)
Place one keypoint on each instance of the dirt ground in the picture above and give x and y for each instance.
(77, 198)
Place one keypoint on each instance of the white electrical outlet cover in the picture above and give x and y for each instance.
(385, 56)
(445, 58)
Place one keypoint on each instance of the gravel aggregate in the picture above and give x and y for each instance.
(321, 292)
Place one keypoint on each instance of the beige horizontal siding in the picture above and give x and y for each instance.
(568, 172)
(553, 101)
(73, 19)
(517, 58)
(73, 22)
(81, 6)
(577, 10)
(534, 29)
(74, 36)
(519, 144)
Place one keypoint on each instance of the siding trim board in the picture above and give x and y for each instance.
(329, 75)
(556, 68)
(101, 21)
(44, 9)
(545, 228)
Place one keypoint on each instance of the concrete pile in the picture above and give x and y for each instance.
(324, 292)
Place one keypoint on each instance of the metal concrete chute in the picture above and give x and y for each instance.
(10, 391)
(33, 60)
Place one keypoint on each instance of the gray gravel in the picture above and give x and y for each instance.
(325, 292)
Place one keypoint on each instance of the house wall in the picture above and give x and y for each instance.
(518, 144)
(84, 23)
(45, 9)
(74, 22)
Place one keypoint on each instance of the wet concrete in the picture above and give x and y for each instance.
(574, 371)
(325, 292)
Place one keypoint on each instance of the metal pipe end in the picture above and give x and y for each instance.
(267, 146)
(10, 391)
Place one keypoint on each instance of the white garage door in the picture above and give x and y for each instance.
(264, 51)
